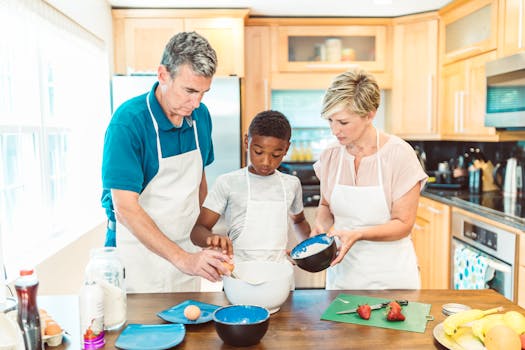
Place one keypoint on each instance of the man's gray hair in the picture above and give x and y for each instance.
(192, 49)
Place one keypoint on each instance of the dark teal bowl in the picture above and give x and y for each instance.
(320, 259)
(241, 325)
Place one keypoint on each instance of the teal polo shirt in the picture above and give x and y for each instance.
(130, 157)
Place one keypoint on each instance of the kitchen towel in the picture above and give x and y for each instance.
(471, 270)
(416, 314)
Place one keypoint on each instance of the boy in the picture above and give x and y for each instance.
(256, 201)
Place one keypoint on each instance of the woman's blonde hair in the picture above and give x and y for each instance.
(355, 90)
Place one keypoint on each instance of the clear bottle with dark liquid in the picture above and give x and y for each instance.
(28, 315)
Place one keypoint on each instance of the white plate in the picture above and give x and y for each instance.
(463, 340)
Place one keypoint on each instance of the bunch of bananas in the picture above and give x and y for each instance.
(453, 322)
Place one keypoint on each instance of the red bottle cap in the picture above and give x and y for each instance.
(26, 272)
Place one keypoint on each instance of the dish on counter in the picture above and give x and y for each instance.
(175, 314)
(465, 340)
(151, 336)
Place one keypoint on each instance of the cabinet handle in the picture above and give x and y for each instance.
(434, 210)
(461, 110)
(429, 102)
(456, 107)
(520, 25)
(331, 65)
(265, 87)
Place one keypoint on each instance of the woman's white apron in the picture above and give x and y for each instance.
(369, 264)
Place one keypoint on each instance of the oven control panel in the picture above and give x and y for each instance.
(481, 235)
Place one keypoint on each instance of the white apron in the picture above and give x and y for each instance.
(171, 199)
(369, 264)
(265, 232)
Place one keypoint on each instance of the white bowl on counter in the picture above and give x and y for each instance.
(273, 283)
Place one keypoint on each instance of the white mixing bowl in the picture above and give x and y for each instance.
(276, 278)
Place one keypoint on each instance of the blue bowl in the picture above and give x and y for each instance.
(322, 254)
(241, 325)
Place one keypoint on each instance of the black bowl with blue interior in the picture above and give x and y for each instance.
(241, 325)
(315, 253)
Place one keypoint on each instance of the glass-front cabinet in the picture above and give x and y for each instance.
(469, 29)
(331, 48)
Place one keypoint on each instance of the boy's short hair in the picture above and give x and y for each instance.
(270, 123)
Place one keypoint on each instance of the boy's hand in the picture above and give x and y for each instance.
(220, 242)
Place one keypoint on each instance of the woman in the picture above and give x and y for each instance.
(370, 185)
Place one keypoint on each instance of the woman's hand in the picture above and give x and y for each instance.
(347, 239)
(220, 242)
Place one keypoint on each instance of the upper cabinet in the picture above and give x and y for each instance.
(414, 79)
(463, 100)
(331, 48)
(140, 36)
(512, 27)
(468, 28)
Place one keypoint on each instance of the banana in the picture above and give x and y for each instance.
(453, 322)
(515, 320)
(483, 325)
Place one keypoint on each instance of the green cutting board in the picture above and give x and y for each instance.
(416, 314)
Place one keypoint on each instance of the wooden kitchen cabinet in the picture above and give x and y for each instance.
(511, 27)
(140, 36)
(431, 237)
(468, 28)
(331, 48)
(414, 79)
(462, 102)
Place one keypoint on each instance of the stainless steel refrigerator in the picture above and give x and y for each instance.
(223, 102)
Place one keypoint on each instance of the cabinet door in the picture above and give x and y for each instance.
(331, 48)
(468, 29)
(422, 238)
(226, 36)
(453, 85)
(140, 42)
(414, 80)
(512, 28)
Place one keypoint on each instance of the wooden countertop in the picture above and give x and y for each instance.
(296, 326)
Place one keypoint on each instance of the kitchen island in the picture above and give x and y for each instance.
(297, 325)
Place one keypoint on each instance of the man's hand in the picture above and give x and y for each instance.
(206, 263)
(220, 242)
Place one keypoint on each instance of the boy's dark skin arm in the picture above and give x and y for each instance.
(301, 226)
(202, 236)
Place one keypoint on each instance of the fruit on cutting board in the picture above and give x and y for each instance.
(502, 337)
(453, 322)
(364, 311)
(394, 312)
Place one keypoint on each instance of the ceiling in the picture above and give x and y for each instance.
(303, 8)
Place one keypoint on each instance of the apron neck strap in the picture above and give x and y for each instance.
(156, 126)
(379, 170)
(278, 175)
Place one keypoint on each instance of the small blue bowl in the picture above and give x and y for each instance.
(323, 253)
(241, 325)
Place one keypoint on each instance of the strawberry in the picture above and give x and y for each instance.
(394, 312)
(364, 311)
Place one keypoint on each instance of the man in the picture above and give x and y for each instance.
(155, 150)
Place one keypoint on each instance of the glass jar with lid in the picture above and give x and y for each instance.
(106, 269)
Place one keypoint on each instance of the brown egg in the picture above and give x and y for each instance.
(502, 337)
(52, 328)
(192, 312)
(228, 266)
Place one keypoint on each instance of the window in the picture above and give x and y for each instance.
(54, 107)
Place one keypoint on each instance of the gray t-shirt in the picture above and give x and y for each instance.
(229, 196)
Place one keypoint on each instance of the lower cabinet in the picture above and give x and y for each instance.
(431, 237)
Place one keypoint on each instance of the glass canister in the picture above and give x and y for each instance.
(106, 269)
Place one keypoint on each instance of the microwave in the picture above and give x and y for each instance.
(505, 96)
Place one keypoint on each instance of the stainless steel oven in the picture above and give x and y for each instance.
(475, 241)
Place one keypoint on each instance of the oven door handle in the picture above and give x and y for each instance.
(498, 266)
